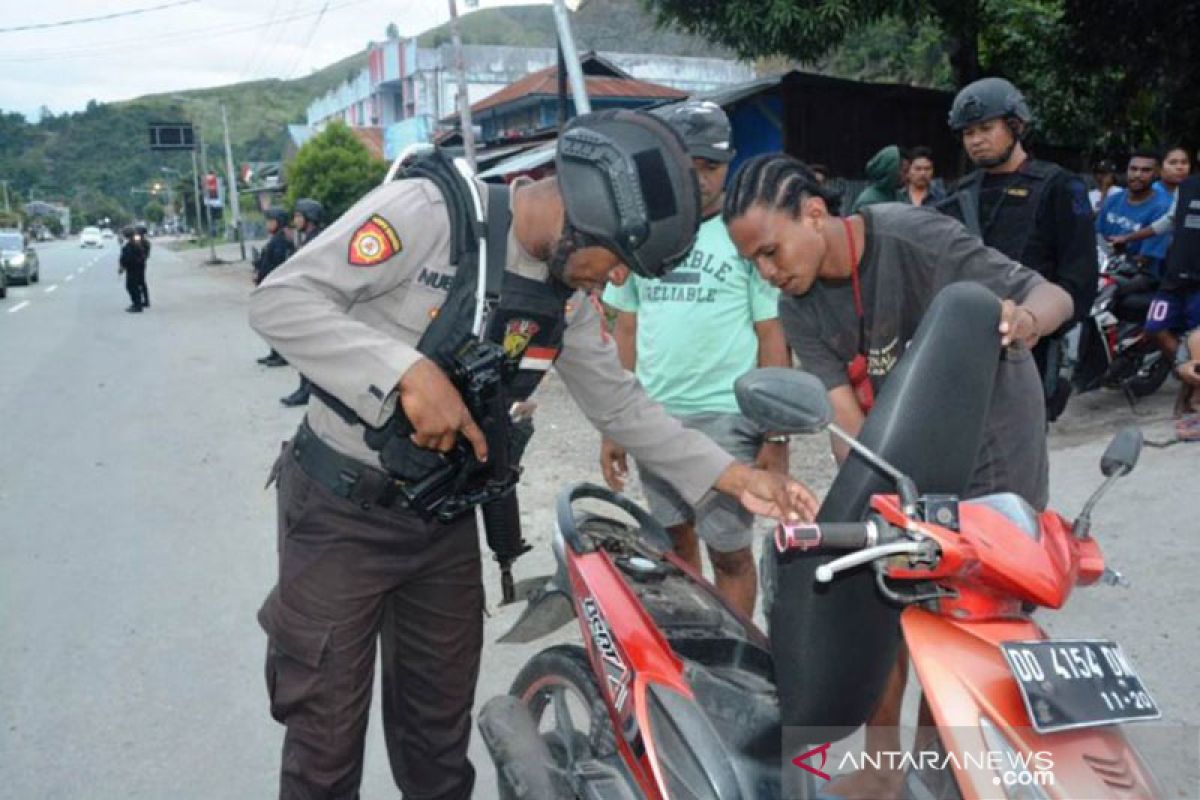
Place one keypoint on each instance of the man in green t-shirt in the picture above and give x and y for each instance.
(688, 336)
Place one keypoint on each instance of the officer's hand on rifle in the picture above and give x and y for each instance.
(768, 494)
(437, 411)
(613, 464)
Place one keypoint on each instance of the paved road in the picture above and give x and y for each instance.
(136, 541)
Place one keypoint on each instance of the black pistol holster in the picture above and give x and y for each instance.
(520, 328)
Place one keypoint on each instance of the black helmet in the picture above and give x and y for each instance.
(628, 185)
(704, 127)
(279, 215)
(128, 231)
(310, 209)
(988, 98)
(141, 229)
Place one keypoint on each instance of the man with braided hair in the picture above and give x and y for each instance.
(859, 286)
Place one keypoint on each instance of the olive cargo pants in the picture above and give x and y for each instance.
(349, 575)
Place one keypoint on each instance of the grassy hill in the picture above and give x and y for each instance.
(616, 25)
(98, 161)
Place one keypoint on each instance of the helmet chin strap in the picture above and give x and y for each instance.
(1014, 126)
(570, 241)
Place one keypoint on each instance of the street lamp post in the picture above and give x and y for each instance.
(234, 205)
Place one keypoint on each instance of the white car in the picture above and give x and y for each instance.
(90, 237)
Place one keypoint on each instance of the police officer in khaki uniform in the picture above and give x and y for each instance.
(348, 310)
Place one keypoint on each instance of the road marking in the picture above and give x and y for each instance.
(69, 278)
(51, 288)
(79, 271)
(18, 306)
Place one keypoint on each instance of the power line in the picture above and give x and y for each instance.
(308, 39)
(101, 18)
(256, 53)
(148, 43)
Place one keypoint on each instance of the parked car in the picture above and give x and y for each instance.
(90, 237)
(18, 261)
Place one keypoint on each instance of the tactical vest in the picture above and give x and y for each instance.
(1013, 220)
(1182, 271)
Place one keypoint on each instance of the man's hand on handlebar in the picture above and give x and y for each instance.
(436, 410)
(768, 494)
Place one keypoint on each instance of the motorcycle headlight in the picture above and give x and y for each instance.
(1018, 774)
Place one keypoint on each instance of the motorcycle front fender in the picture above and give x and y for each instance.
(548, 609)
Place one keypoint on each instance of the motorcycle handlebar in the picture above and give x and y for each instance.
(832, 535)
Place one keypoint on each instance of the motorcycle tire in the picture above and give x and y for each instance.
(563, 674)
(1148, 375)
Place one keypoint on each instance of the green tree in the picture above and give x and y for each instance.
(334, 168)
(154, 212)
(808, 29)
(1101, 76)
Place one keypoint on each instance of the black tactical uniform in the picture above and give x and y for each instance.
(133, 264)
(1038, 215)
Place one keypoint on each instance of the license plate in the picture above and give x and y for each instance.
(1077, 683)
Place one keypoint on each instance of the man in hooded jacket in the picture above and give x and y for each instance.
(886, 173)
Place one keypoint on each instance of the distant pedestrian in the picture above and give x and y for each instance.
(133, 267)
(277, 250)
(885, 170)
(309, 221)
(920, 188)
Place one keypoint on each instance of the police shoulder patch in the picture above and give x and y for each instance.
(374, 242)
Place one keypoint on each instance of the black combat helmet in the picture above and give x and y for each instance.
(311, 210)
(279, 215)
(628, 186)
(988, 98)
(704, 127)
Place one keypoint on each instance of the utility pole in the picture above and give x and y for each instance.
(196, 189)
(7, 209)
(212, 246)
(566, 43)
(232, 195)
(464, 103)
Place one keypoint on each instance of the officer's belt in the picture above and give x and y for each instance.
(346, 477)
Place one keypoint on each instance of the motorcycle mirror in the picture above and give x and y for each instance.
(784, 400)
(1122, 453)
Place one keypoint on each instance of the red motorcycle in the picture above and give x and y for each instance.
(1110, 348)
(675, 695)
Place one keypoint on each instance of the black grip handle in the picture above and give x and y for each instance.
(826, 535)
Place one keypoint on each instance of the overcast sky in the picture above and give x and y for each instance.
(185, 44)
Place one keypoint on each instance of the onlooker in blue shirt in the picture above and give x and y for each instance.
(1138, 206)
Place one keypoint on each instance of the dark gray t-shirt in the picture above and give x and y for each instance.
(911, 254)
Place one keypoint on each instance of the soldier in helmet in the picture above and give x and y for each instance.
(358, 312)
(308, 219)
(277, 250)
(133, 267)
(1033, 211)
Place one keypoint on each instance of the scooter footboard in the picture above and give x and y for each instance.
(983, 727)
